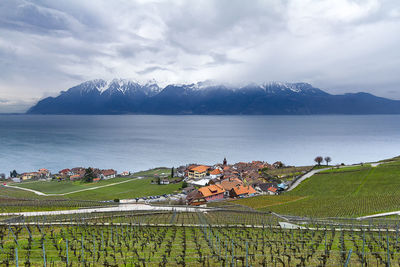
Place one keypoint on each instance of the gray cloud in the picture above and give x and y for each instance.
(152, 69)
(340, 45)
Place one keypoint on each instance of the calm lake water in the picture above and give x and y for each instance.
(133, 142)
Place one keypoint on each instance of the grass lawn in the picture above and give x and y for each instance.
(15, 193)
(285, 173)
(133, 189)
(59, 187)
(156, 171)
(130, 188)
(352, 192)
(288, 171)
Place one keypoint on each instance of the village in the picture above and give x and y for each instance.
(225, 181)
(74, 174)
(200, 184)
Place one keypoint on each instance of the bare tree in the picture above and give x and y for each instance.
(327, 160)
(318, 160)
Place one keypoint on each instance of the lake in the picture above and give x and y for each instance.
(139, 142)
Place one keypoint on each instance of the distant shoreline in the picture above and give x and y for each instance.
(184, 115)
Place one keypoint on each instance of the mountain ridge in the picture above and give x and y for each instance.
(121, 96)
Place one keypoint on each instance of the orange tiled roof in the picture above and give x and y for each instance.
(227, 168)
(240, 190)
(272, 189)
(211, 190)
(215, 172)
(200, 168)
(228, 184)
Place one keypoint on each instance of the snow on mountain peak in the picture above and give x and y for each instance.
(151, 87)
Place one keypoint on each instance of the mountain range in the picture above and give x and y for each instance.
(121, 96)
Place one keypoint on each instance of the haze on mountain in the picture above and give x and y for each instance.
(340, 46)
(121, 96)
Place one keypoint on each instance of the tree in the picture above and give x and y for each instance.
(89, 175)
(172, 172)
(13, 174)
(184, 184)
(327, 160)
(318, 160)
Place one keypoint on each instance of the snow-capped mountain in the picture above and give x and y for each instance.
(115, 86)
(121, 96)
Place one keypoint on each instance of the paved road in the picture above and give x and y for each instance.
(379, 215)
(124, 207)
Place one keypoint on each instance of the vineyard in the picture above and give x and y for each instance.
(232, 236)
(348, 192)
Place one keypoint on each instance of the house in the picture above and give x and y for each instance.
(78, 171)
(215, 173)
(180, 171)
(273, 190)
(278, 165)
(242, 191)
(188, 189)
(230, 183)
(198, 172)
(206, 194)
(263, 187)
(65, 172)
(108, 174)
(125, 173)
(215, 180)
(195, 198)
(44, 173)
(29, 175)
(75, 177)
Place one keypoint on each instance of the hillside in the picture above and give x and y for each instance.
(347, 192)
(129, 97)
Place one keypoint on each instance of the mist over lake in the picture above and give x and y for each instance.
(138, 142)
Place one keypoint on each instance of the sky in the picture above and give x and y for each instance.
(340, 46)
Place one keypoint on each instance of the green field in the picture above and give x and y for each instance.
(60, 187)
(352, 192)
(286, 173)
(68, 194)
(157, 171)
(133, 189)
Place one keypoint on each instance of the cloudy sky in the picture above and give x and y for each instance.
(338, 45)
